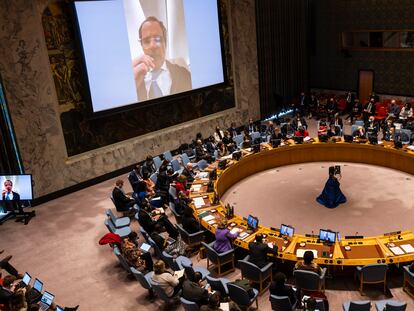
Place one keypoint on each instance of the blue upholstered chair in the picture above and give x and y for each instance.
(281, 303)
(309, 280)
(144, 280)
(175, 263)
(167, 155)
(157, 162)
(176, 166)
(361, 305)
(238, 140)
(218, 284)
(217, 261)
(202, 164)
(408, 280)
(372, 274)
(262, 277)
(390, 305)
(122, 232)
(189, 305)
(191, 239)
(173, 192)
(190, 270)
(121, 259)
(177, 216)
(157, 251)
(241, 297)
(154, 178)
(118, 222)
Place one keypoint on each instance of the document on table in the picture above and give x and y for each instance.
(198, 202)
(407, 248)
(235, 230)
(301, 251)
(270, 244)
(396, 250)
(225, 306)
(208, 218)
(243, 235)
(196, 187)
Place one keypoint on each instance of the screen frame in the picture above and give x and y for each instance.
(91, 114)
(31, 185)
(38, 281)
(287, 226)
(326, 230)
(257, 222)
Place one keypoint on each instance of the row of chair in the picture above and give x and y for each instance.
(382, 305)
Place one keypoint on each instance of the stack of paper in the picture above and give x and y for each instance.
(407, 248)
(179, 274)
(196, 187)
(225, 306)
(235, 230)
(243, 235)
(202, 175)
(396, 250)
(208, 218)
(198, 202)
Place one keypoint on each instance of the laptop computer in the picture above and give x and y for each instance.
(46, 301)
(59, 308)
(25, 281)
(35, 292)
(145, 247)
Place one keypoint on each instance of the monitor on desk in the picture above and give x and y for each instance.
(252, 222)
(348, 138)
(298, 139)
(287, 230)
(323, 138)
(327, 236)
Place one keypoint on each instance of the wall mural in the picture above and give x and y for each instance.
(83, 133)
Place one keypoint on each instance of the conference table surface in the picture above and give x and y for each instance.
(394, 247)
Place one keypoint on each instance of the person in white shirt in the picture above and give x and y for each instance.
(169, 283)
(154, 75)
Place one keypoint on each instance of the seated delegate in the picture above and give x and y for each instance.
(224, 238)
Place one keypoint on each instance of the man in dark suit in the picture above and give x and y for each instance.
(193, 290)
(123, 202)
(135, 177)
(11, 199)
(6, 290)
(259, 250)
(369, 109)
(154, 75)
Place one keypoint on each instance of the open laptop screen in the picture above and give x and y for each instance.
(26, 278)
(38, 285)
(47, 298)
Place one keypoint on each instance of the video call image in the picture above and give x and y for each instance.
(16, 187)
(138, 50)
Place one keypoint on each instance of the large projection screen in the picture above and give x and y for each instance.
(139, 50)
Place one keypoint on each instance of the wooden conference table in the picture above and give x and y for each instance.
(395, 247)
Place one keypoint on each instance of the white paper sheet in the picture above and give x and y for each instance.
(301, 251)
(196, 187)
(208, 218)
(407, 248)
(396, 250)
(198, 202)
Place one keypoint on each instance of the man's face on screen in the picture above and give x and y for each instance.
(153, 42)
(8, 186)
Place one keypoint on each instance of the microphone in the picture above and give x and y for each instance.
(312, 236)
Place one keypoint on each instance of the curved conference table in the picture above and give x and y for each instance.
(394, 247)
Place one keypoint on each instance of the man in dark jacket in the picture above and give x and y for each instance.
(259, 251)
(193, 290)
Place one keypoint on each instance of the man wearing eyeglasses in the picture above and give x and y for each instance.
(154, 75)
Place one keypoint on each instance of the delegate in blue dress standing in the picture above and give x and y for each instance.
(331, 195)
